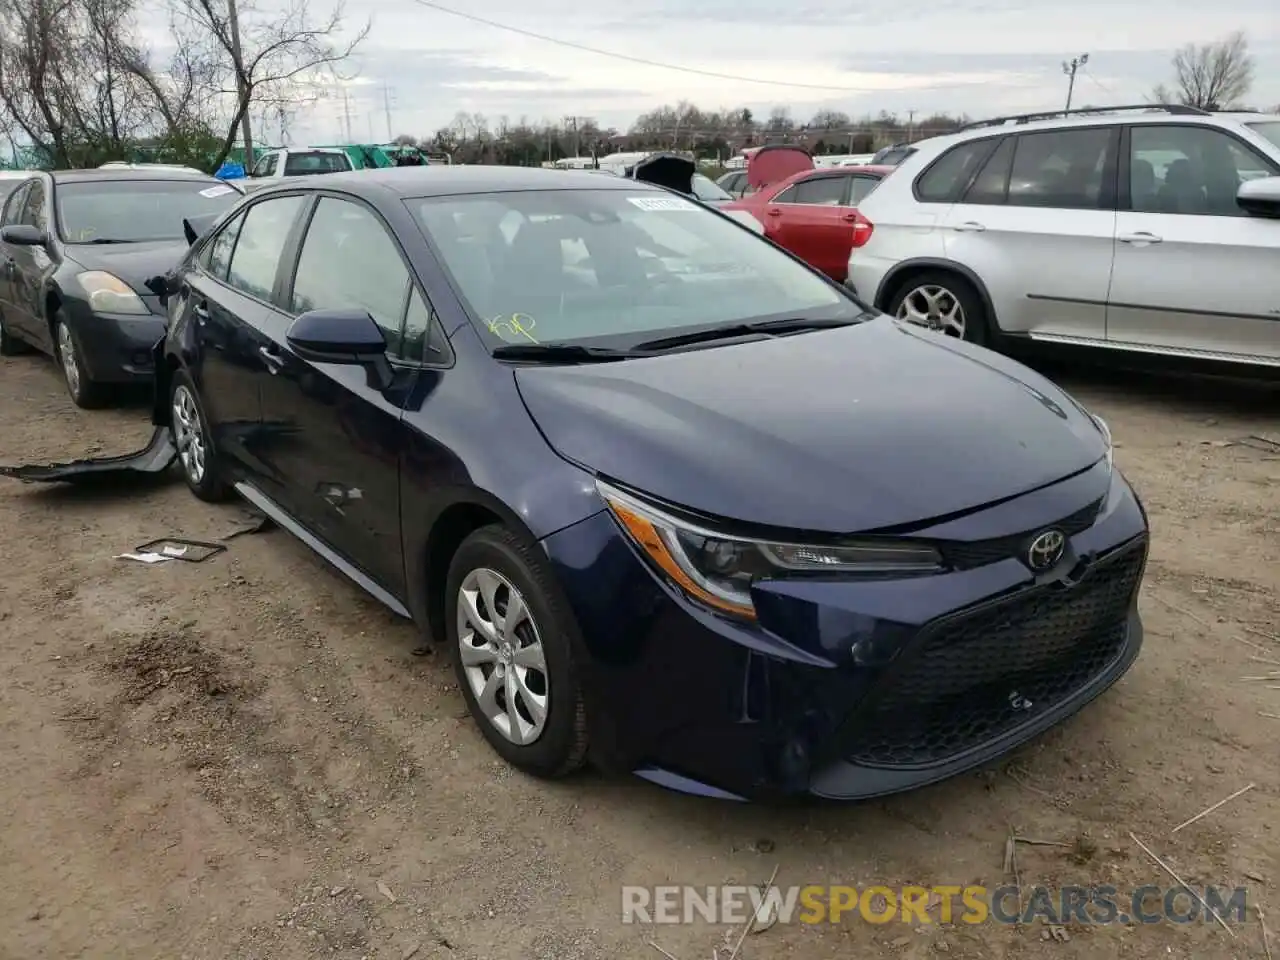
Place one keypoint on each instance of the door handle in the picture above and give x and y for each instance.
(201, 312)
(774, 212)
(968, 226)
(850, 218)
(272, 359)
(1142, 236)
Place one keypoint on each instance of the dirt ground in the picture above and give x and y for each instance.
(245, 759)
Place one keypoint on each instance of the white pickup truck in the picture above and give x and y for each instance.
(297, 162)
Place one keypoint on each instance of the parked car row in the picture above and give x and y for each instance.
(544, 415)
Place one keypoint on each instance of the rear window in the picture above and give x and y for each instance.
(134, 211)
(707, 191)
(306, 163)
(1267, 128)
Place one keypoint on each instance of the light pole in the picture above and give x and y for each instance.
(1070, 68)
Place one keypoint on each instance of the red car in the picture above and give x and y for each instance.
(809, 211)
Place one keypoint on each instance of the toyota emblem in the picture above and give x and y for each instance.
(1046, 550)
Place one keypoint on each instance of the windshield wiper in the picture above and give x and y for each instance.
(561, 353)
(100, 240)
(766, 327)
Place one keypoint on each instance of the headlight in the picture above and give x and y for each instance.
(718, 569)
(109, 294)
(1106, 435)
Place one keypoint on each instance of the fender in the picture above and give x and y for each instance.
(889, 283)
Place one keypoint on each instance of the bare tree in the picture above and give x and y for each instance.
(1210, 76)
(264, 61)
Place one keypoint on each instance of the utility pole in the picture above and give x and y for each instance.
(346, 114)
(233, 21)
(386, 102)
(1070, 68)
(911, 125)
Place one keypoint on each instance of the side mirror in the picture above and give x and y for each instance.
(1258, 198)
(348, 337)
(24, 235)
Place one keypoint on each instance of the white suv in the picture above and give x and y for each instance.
(1149, 229)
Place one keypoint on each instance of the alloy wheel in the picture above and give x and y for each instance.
(502, 656)
(67, 354)
(934, 307)
(188, 433)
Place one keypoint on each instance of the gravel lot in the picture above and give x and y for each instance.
(245, 758)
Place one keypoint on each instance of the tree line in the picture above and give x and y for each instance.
(79, 87)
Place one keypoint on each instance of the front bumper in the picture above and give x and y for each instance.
(853, 689)
(118, 348)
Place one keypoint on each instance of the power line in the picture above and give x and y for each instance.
(659, 64)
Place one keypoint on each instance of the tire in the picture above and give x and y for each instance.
(493, 561)
(931, 297)
(10, 346)
(84, 391)
(197, 459)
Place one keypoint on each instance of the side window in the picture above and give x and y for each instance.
(992, 184)
(13, 208)
(34, 210)
(216, 255)
(1063, 169)
(423, 339)
(350, 260)
(260, 243)
(860, 187)
(266, 165)
(948, 176)
(1189, 170)
(820, 191)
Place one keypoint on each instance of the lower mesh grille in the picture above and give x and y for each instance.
(978, 675)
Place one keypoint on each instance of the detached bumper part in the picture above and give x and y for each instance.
(151, 461)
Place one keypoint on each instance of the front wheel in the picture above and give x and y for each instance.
(85, 392)
(513, 655)
(200, 464)
(943, 302)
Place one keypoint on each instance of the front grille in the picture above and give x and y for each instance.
(977, 553)
(976, 676)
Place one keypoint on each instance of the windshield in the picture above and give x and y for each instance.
(134, 211)
(1267, 128)
(704, 189)
(312, 162)
(566, 266)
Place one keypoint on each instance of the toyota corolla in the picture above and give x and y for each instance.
(677, 504)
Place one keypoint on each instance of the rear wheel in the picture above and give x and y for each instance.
(944, 302)
(200, 465)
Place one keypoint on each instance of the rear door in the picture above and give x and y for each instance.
(1193, 272)
(232, 298)
(337, 450)
(811, 219)
(1036, 225)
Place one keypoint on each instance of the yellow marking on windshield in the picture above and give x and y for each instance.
(513, 327)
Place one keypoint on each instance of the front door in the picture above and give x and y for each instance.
(31, 266)
(812, 220)
(9, 261)
(1193, 272)
(1037, 224)
(337, 449)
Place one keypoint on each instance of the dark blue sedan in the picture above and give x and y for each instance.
(677, 504)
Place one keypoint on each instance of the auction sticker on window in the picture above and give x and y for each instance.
(662, 204)
(215, 192)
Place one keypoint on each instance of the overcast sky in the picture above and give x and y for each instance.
(977, 56)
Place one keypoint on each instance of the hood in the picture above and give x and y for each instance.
(777, 162)
(134, 263)
(837, 431)
(666, 170)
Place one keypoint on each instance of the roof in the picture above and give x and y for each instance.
(101, 175)
(448, 181)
